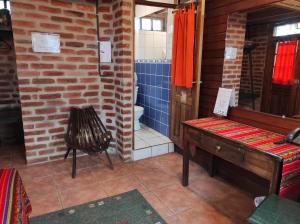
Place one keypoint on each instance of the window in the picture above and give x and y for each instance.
(146, 24)
(4, 4)
(287, 29)
(149, 24)
(284, 68)
(157, 24)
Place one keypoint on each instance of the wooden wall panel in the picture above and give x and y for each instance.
(217, 12)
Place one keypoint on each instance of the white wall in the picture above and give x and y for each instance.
(150, 45)
(154, 44)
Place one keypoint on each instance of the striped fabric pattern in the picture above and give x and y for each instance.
(14, 203)
(261, 140)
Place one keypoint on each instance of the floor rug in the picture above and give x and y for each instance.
(128, 208)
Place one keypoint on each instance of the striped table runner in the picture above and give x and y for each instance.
(14, 203)
(261, 140)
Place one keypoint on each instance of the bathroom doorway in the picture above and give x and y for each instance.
(153, 54)
(12, 150)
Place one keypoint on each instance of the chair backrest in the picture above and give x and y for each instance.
(86, 131)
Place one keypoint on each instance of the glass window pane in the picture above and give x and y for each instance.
(1, 4)
(146, 24)
(137, 24)
(157, 24)
(8, 5)
(288, 29)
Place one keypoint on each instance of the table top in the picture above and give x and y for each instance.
(250, 136)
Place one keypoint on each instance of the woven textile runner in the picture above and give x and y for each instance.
(14, 203)
(261, 140)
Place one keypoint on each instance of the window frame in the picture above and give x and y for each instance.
(151, 20)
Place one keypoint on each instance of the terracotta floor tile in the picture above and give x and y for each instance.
(40, 185)
(210, 188)
(156, 179)
(104, 173)
(172, 220)
(122, 185)
(44, 203)
(65, 181)
(158, 205)
(206, 200)
(177, 198)
(236, 201)
(62, 167)
(32, 171)
(202, 213)
(81, 195)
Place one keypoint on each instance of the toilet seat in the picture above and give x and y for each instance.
(138, 108)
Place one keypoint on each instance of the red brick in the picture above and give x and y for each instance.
(48, 110)
(50, 9)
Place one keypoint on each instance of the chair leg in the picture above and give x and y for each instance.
(109, 160)
(67, 153)
(74, 164)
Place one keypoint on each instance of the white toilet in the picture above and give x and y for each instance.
(138, 111)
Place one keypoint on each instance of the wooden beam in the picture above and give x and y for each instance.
(199, 46)
(155, 4)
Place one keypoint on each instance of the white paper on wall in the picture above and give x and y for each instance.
(230, 53)
(105, 51)
(222, 102)
(45, 42)
(232, 102)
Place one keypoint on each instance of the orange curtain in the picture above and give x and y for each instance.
(183, 47)
(285, 63)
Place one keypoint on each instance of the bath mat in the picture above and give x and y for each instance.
(127, 208)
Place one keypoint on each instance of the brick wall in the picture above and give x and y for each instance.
(9, 94)
(235, 37)
(259, 36)
(123, 53)
(51, 83)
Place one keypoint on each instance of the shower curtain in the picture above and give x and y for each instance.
(183, 47)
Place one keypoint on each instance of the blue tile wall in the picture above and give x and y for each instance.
(154, 80)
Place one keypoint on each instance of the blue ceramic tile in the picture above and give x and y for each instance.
(158, 115)
(166, 69)
(152, 80)
(159, 69)
(142, 68)
(158, 93)
(153, 68)
(148, 68)
(148, 78)
(165, 94)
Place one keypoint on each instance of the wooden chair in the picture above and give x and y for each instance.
(86, 133)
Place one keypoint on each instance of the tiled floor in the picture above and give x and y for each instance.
(147, 137)
(150, 143)
(206, 200)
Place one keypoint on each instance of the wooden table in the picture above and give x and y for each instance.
(263, 164)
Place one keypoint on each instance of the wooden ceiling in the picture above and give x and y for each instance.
(281, 12)
(289, 4)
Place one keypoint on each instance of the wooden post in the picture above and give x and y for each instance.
(198, 56)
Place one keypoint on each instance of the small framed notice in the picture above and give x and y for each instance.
(105, 52)
(230, 53)
(222, 102)
(45, 42)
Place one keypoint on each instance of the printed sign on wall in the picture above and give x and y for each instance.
(222, 102)
(105, 52)
(45, 42)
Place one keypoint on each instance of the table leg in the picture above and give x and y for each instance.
(212, 167)
(186, 161)
(276, 179)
